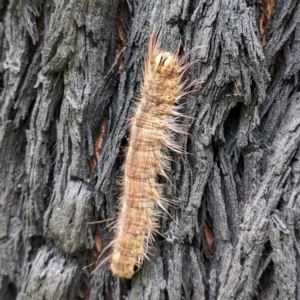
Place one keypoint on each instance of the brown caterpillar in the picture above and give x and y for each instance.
(150, 132)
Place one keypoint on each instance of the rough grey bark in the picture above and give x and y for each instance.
(69, 74)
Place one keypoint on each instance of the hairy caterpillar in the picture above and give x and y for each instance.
(151, 129)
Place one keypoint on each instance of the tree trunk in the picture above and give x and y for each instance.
(70, 72)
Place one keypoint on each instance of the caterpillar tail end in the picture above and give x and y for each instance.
(122, 266)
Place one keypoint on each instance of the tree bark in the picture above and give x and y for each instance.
(70, 71)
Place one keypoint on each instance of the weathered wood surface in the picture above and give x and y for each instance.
(69, 74)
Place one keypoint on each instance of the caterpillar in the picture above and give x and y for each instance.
(151, 131)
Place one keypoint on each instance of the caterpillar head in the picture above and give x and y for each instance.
(165, 62)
